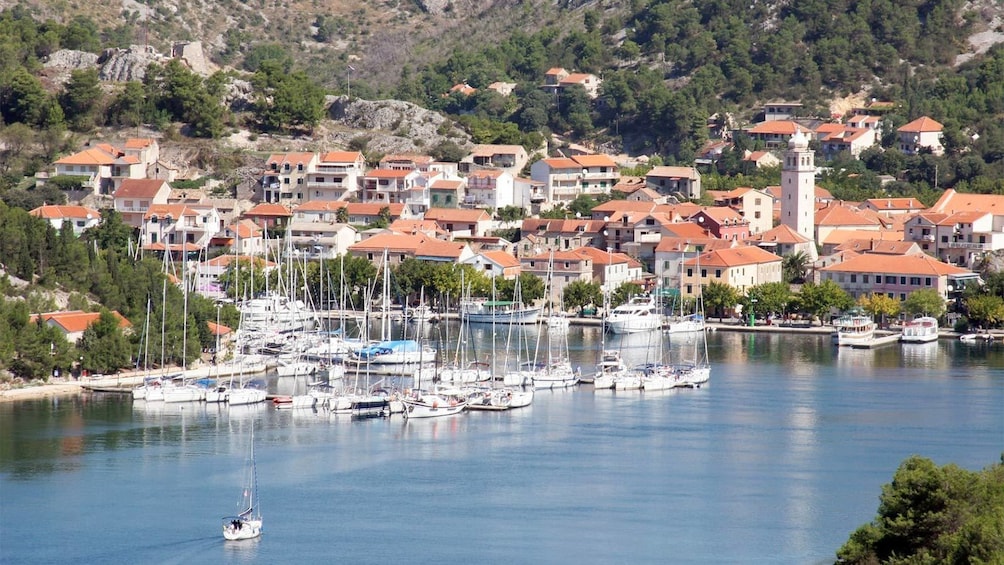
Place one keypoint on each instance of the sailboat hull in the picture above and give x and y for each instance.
(237, 530)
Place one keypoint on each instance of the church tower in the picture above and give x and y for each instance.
(798, 188)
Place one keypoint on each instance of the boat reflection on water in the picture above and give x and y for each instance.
(925, 355)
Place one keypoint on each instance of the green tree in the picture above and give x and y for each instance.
(879, 306)
(985, 310)
(342, 215)
(286, 100)
(818, 300)
(793, 267)
(719, 297)
(926, 301)
(510, 214)
(579, 294)
(80, 99)
(623, 293)
(103, 346)
(128, 107)
(768, 298)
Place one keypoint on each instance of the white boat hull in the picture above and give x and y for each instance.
(248, 529)
(241, 396)
(432, 407)
(634, 325)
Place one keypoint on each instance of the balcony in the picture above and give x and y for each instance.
(928, 238)
(647, 238)
(967, 245)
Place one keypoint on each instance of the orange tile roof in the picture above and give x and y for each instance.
(490, 150)
(555, 71)
(140, 188)
(55, 211)
(373, 208)
(686, 229)
(838, 215)
(684, 244)
(246, 229)
(611, 206)
(341, 157)
(599, 160)
(486, 173)
(88, 157)
(895, 203)
(840, 236)
(415, 226)
(672, 172)
(320, 206)
(734, 257)
(561, 163)
(217, 329)
(781, 234)
(291, 158)
(921, 265)
(138, 142)
(443, 184)
(388, 173)
(721, 213)
(952, 201)
(175, 211)
(225, 261)
(601, 257)
(269, 209)
(77, 320)
(922, 124)
(886, 247)
(576, 78)
(776, 127)
(829, 129)
(456, 215)
(501, 258)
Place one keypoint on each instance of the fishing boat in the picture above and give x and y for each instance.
(247, 523)
(920, 330)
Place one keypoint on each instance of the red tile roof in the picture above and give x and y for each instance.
(54, 212)
(734, 257)
(921, 265)
(922, 124)
(140, 188)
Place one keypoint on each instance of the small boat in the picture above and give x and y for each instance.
(920, 330)
(971, 337)
(639, 314)
(394, 352)
(421, 404)
(608, 369)
(247, 524)
(498, 311)
(557, 322)
(687, 324)
(421, 313)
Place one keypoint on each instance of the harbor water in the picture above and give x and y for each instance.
(776, 460)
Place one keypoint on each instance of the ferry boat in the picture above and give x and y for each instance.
(920, 330)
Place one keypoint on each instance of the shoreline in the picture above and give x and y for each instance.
(68, 387)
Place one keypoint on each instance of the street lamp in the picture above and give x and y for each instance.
(753, 302)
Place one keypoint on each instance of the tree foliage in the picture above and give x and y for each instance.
(577, 295)
(931, 514)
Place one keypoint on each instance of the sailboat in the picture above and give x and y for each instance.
(699, 372)
(247, 524)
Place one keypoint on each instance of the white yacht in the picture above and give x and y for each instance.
(640, 314)
(855, 329)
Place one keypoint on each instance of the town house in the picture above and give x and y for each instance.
(336, 176)
(755, 206)
(738, 267)
(496, 264)
(461, 223)
(564, 268)
(673, 180)
(491, 188)
(179, 227)
(896, 276)
(509, 158)
(285, 176)
(103, 166)
(920, 134)
(79, 218)
(134, 198)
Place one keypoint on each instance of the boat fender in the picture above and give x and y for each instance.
(435, 404)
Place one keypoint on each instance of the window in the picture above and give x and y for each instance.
(864, 278)
(704, 273)
(854, 278)
(690, 273)
(914, 281)
(320, 179)
(944, 239)
(902, 296)
(369, 256)
(718, 273)
(285, 180)
(927, 281)
(902, 280)
(890, 280)
(690, 289)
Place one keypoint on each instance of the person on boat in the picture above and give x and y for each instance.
(236, 524)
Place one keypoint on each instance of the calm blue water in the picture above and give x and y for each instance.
(777, 460)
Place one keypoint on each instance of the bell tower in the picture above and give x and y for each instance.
(798, 188)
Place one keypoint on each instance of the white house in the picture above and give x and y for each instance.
(80, 218)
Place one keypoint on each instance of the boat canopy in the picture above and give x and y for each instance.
(385, 347)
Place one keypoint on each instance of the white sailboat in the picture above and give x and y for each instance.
(247, 523)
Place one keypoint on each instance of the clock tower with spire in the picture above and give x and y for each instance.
(798, 187)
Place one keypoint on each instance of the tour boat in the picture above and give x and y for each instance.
(856, 329)
(498, 311)
(920, 330)
(420, 404)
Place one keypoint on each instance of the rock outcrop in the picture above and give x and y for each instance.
(123, 65)
(394, 126)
